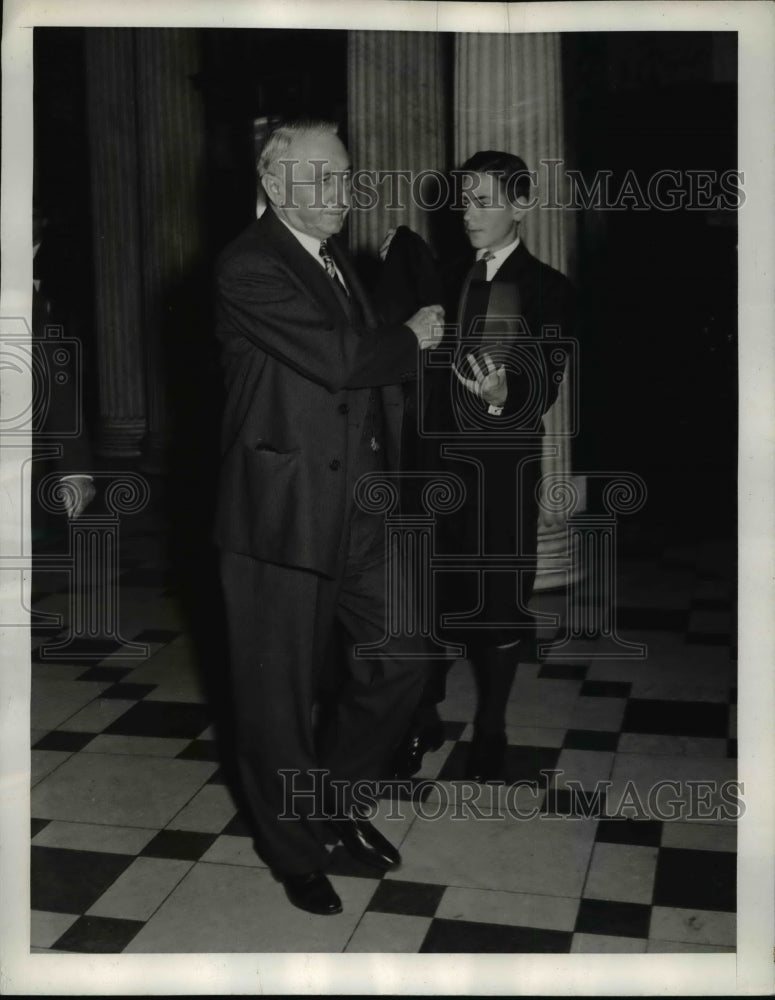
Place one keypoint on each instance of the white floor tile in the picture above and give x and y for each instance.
(93, 837)
(586, 768)
(139, 891)
(208, 811)
(518, 909)
(599, 714)
(46, 928)
(98, 715)
(54, 701)
(221, 908)
(43, 762)
(540, 856)
(692, 926)
(622, 873)
(605, 944)
(229, 850)
(685, 947)
(383, 933)
(146, 746)
(699, 836)
(645, 780)
(122, 790)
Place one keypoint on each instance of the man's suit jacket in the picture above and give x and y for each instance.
(541, 297)
(300, 362)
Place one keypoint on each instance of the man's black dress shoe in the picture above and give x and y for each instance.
(485, 758)
(365, 843)
(407, 760)
(312, 892)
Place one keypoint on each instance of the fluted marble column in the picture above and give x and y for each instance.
(171, 154)
(508, 95)
(396, 123)
(112, 117)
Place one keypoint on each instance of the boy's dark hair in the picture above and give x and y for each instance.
(511, 171)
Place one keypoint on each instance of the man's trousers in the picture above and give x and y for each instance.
(280, 621)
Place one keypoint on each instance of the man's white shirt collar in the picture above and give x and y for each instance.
(312, 245)
(498, 257)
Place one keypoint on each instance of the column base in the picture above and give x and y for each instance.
(121, 439)
(156, 457)
(557, 567)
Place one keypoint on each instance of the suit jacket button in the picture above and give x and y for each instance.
(344, 408)
(335, 464)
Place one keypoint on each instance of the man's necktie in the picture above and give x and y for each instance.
(328, 260)
(479, 270)
(476, 294)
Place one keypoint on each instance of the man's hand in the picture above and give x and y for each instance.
(385, 245)
(427, 326)
(489, 381)
(78, 494)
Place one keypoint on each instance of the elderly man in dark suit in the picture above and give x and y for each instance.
(314, 401)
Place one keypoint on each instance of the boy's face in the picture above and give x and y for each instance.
(490, 221)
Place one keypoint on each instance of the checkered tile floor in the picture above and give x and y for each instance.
(138, 844)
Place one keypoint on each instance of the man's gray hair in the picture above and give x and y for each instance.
(279, 142)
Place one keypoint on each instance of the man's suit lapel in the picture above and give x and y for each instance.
(515, 264)
(313, 277)
(354, 286)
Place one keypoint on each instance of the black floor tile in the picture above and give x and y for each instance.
(675, 718)
(237, 826)
(642, 832)
(597, 916)
(563, 671)
(36, 825)
(218, 777)
(605, 689)
(65, 881)
(703, 880)
(590, 739)
(467, 936)
(105, 673)
(182, 845)
(173, 719)
(201, 750)
(100, 935)
(156, 635)
(415, 899)
(128, 691)
(519, 763)
(63, 740)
